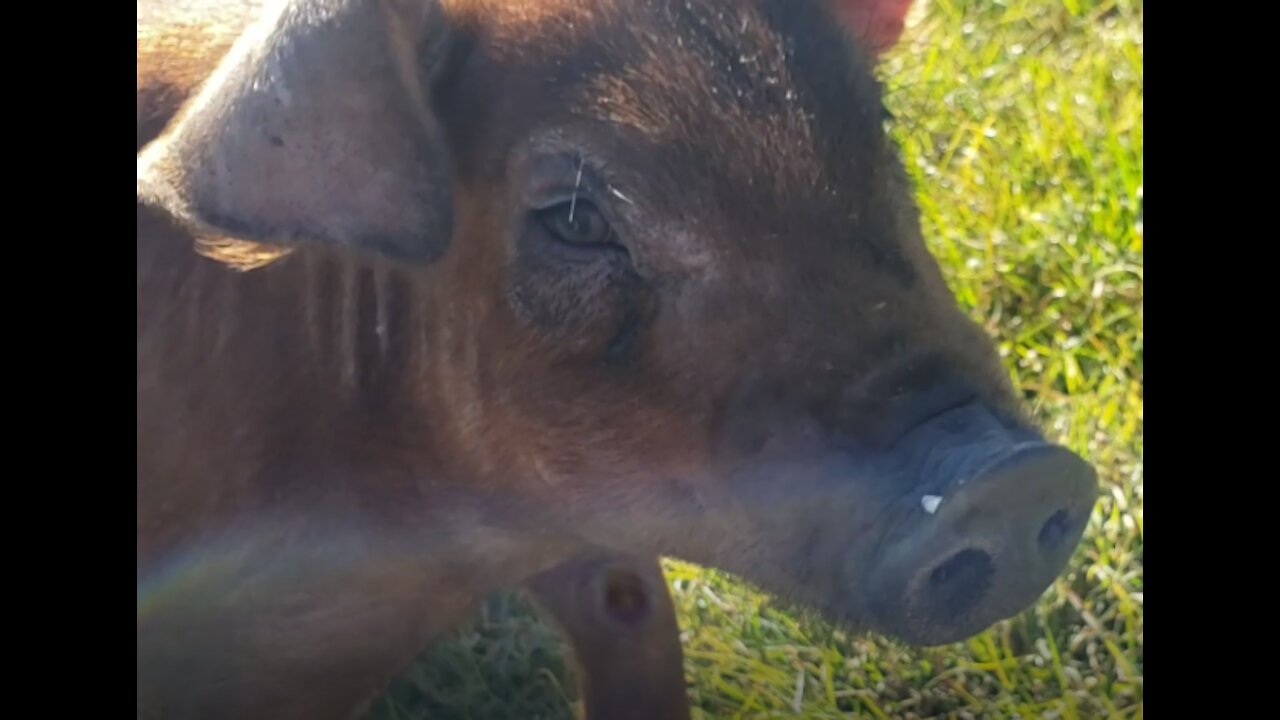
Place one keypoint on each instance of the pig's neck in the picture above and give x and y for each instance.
(288, 390)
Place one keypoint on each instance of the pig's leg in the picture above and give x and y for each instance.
(620, 620)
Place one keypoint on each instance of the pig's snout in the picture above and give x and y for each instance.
(981, 546)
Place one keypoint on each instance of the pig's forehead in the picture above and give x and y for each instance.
(751, 92)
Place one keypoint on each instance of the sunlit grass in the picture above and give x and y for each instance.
(1021, 122)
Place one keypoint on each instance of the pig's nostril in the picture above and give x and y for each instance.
(994, 543)
(961, 582)
(1054, 530)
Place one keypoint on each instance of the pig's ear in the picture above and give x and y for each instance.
(316, 128)
(877, 24)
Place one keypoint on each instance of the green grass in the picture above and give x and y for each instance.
(1021, 122)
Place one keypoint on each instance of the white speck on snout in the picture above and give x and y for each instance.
(930, 503)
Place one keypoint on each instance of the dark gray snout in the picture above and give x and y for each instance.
(983, 546)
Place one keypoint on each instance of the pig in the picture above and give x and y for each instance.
(615, 610)
(435, 296)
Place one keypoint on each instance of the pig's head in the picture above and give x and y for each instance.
(667, 284)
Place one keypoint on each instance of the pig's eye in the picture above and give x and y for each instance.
(576, 222)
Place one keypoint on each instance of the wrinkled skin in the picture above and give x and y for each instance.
(642, 276)
(615, 610)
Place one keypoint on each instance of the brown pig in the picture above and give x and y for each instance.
(536, 279)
